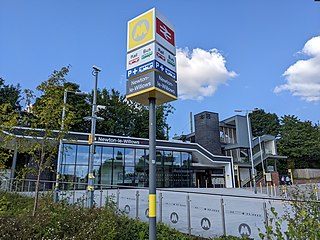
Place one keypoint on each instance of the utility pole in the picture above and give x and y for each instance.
(90, 189)
(152, 169)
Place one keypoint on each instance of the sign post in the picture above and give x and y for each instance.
(151, 74)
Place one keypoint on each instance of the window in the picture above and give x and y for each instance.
(82, 155)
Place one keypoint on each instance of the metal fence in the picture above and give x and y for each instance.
(197, 211)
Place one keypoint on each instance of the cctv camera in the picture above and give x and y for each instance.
(96, 68)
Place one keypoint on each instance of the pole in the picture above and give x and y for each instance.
(60, 151)
(152, 169)
(261, 155)
(14, 164)
(251, 155)
(93, 131)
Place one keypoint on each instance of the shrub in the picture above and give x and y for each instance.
(302, 217)
(65, 221)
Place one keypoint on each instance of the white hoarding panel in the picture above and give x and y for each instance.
(244, 216)
(174, 210)
(206, 218)
(127, 202)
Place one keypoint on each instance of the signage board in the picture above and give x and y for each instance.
(152, 51)
(148, 27)
(153, 65)
(141, 30)
(165, 33)
(151, 84)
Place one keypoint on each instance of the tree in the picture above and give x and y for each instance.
(264, 123)
(300, 141)
(42, 147)
(10, 97)
(127, 118)
(10, 107)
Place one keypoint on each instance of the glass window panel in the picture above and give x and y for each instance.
(159, 159)
(81, 174)
(176, 159)
(129, 157)
(67, 173)
(186, 159)
(139, 168)
(97, 174)
(106, 168)
(97, 156)
(129, 178)
(167, 158)
(118, 164)
(83, 155)
(69, 154)
(147, 160)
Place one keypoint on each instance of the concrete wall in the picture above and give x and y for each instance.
(306, 173)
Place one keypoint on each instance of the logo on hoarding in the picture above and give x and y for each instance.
(140, 30)
(174, 218)
(146, 213)
(127, 209)
(244, 230)
(205, 224)
(164, 31)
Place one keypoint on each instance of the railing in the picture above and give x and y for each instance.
(197, 211)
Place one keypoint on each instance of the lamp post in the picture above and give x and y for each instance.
(250, 147)
(60, 151)
(90, 189)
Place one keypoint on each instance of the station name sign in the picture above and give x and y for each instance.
(119, 140)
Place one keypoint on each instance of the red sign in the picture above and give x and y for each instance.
(164, 31)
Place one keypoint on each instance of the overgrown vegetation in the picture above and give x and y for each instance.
(64, 221)
(301, 219)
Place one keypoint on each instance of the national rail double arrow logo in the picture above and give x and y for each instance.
(164, 31)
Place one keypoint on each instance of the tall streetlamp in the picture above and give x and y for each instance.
(250, 147)
(90, 188)
(60, 151)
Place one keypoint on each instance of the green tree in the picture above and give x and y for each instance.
(300, 141)
(264, 123)
(127, 118)
(10, 97)
(46, 112)
(10, 107)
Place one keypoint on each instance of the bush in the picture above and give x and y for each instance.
(302, 217)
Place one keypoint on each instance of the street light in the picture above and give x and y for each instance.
(250, 146)
(90, 188)
(60, 151)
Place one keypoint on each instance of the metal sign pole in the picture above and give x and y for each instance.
(152, 170)
(93, 132)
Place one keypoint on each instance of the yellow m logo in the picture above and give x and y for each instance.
(141, 30)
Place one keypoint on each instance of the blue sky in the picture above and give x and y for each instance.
(261, 54)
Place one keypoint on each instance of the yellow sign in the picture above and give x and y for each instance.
(141, 30)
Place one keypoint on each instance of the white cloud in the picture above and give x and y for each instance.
(200, 73)
(303, 77)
